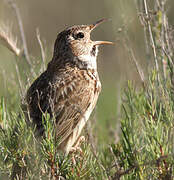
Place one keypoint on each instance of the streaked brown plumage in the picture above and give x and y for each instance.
(68, 90)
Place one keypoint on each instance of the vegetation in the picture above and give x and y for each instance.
(144, 149)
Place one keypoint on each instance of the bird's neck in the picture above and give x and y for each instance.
(83, 61)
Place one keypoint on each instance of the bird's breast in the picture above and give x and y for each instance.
(92, 91)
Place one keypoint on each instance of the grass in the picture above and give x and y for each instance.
(143, 146)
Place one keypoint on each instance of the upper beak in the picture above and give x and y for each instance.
(93, 26)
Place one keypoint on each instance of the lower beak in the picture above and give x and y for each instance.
(103, 42)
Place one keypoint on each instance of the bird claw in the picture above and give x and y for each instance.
(77, 148)
(79, 141)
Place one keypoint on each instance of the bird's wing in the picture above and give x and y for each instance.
(72, 99)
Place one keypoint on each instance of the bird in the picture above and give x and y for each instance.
(68, 89)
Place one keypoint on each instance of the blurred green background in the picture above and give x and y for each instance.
(53, 16)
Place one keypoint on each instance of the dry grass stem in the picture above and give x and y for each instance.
(7, 39)
(41, 48)
(19, 19)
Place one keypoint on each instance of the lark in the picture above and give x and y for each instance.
(69, 88)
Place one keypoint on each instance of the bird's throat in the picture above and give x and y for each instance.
(89, 61)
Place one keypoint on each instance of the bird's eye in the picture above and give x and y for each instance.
(79, 35)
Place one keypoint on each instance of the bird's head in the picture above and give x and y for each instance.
(75, 42)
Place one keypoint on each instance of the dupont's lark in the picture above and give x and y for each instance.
(68, 90)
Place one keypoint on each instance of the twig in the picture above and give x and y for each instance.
(163, 24)
(168, 55)
(140, 72)
(120, 173)
(19, 80)
(144, 27)
(151, 36)
(41, 48)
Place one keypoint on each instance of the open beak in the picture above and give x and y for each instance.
(93, 26)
